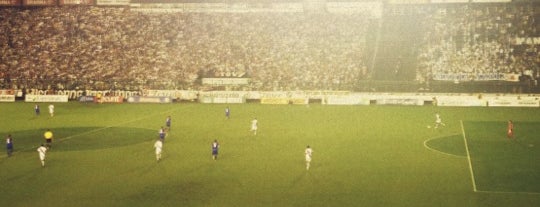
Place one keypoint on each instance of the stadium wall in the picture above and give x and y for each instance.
(7, 98)
(280, 97)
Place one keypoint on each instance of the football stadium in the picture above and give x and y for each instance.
(270, 103)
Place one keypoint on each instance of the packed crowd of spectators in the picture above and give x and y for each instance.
(106, 48)
(478, 39)
(116, 48)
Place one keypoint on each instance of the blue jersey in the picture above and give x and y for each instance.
(162, 134)
(9, 146)
(215, 147)
(9, 143)
(168, 122)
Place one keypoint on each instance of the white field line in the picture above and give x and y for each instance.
(438, 151)
(472, 173)
(468, 156)
(508, 192)
(107, 127)
(96, 130)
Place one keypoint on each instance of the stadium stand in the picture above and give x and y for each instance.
(99, 48)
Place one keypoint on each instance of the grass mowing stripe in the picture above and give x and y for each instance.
(120, 124)
(362, 157)
(468, 156)
(504, 166)
(95, 130)
(508, 192)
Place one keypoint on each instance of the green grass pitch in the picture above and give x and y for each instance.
(103, 155)
(501, 164)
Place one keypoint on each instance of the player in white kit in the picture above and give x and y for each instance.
(438, 121)
(158, 145)
(42, 150)
(51, 110)
(254, 126)
(308, 152)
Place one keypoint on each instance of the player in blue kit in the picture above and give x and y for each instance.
(215, 148)
(162, 134)
(36, 109)
(227, 113)
(168, 123)
(9, 145)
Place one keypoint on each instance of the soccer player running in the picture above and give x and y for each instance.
(308, 152)
(48, 138)
(36, 109)
(215, 149)
(438, 121)
(227, 113)
(158, 145)
(51, 110)
(9, 145)
(510, 130)
(42, 150)
(168, 123)
(254, 126)
(162, 134)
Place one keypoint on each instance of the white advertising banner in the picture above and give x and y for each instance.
(149, 99)
(514, 103)
(113, 2)
(222, 97)
(46, 98)
(346, 100)
(7, 98)
(175, 94)
(227, 100)
(460, 101)
(400, 101)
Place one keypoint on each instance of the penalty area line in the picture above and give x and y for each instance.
(468, 156)
(438, 151)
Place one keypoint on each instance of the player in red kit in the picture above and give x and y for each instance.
(510, 131)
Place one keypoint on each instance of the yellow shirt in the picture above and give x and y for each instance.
(48, 135)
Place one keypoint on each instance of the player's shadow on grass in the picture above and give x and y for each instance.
(82, 138)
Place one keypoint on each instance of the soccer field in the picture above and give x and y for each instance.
(102, 155)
